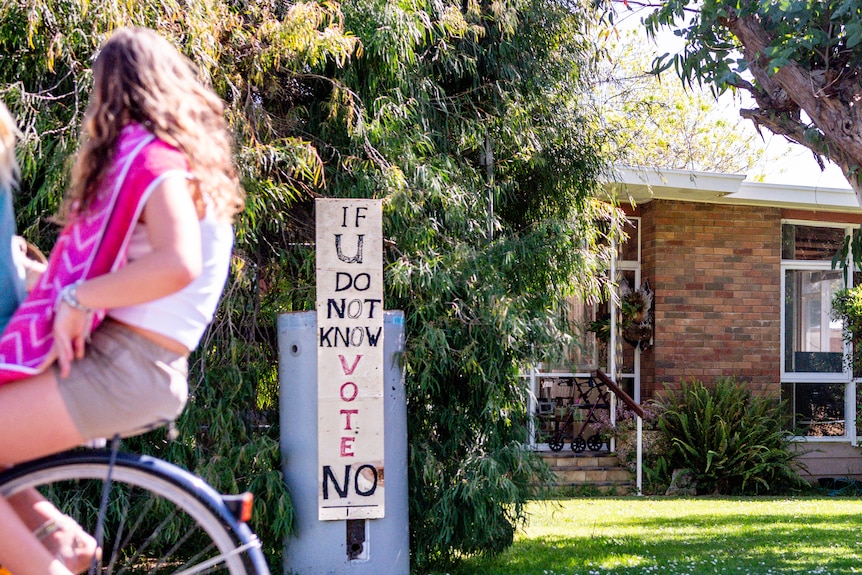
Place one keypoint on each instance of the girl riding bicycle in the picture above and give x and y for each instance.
(154, 183)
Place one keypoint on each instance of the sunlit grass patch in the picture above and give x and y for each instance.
(629, 536)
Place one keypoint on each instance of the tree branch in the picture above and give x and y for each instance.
(792, 88)
(791, 128)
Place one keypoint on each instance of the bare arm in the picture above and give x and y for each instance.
(173, 229)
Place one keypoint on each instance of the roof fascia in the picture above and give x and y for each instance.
(642, 185)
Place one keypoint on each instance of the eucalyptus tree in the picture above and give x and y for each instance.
(226, 433)
(467, 119)
(488, 167)
(799, 60)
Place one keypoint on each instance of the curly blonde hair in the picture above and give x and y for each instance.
(140, 77)
(8, 136)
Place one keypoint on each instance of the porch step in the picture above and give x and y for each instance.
(599, 470)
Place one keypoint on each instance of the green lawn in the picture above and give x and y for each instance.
(669, 536)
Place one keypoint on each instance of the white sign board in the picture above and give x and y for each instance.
(350, 358)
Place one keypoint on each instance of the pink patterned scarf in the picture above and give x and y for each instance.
(90, 246)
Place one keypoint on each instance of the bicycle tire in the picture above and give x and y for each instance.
(161, 518)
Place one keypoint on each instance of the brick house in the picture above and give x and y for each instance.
(741, 278)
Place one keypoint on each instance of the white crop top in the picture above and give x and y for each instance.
(184, 315)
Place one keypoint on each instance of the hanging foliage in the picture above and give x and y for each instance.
(465, 119)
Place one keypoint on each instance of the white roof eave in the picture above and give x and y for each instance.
(643, 185)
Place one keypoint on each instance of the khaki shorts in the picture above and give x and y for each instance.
(124, 384)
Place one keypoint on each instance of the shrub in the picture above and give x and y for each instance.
(847, 307)
(733, 443)
(653, 448)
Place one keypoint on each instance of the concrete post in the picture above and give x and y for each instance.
(358, 547)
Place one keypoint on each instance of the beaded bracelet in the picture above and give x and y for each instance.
(69, 296)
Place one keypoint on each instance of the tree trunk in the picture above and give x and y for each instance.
(780, 96)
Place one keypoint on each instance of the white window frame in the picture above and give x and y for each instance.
(633, 266)
(844, 377)
(806, 377)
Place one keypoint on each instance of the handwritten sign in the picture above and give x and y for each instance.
(350, 358)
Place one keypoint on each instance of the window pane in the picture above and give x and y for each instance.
(813, 338)
(628, 251)
(583, 354)
(816, 409)
(810, 242)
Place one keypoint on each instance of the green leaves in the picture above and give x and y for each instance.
(732, 441)
(467, 119)
(264, 59)
(651, 120)
(492, 221)
(791, 56)
(847, 307)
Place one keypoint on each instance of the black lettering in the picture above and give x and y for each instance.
(371, 309)
(342, 334)
(357, 259)
(365, 277)
(370, 491)
(358, 216)
(333, 336)
(340, 276)
(354, 309)
(324, 337)
(344, 281)
(328, 476)
(373, 338)
(333, 304)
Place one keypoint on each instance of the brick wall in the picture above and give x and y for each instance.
(716, 274)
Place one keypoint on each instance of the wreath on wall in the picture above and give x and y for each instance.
(636, 317)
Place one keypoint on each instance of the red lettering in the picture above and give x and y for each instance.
(348, 413)
(344, 391)
(349, 370)
(347, 446)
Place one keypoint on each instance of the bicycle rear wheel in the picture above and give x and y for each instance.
(160, 519)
